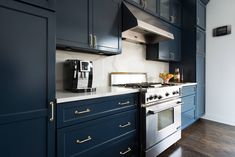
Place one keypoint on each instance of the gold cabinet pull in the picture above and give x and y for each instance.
(127, 151)
(91, 40)
(95, 41)
(83, 141)
(52, 104)
(82, 112)
(126, 125)
(124, 103)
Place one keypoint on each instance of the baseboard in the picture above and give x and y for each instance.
(219, 119)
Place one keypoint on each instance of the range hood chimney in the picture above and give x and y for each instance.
(141, 27)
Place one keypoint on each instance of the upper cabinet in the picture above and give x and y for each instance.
(151, 5)
(201, 15)
(89, 25)
(166, 50)
(47, 4)
(170, 10)
(106, 25)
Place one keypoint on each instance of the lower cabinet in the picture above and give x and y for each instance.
(188, 111)
(113, 134)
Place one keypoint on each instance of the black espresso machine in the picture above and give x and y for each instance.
(78, 76)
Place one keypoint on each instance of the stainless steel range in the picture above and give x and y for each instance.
(160, 112)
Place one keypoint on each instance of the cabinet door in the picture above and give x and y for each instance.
(200, 108)
(175, 45)
(201, 14)
(165, 9)
(72, 24)
(200, 71)
(27, 62)
(151, 5)
(164, 50)
(175, 12)
(48, 4)
(201, 42)
(106, 25)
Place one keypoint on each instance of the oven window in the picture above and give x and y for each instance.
(165, 118)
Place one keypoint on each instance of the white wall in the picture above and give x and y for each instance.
(220, 63)
(132, 59)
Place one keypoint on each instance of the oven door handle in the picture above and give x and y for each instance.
(156, 111)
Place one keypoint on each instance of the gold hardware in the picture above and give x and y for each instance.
(52, 104)
(95, 41)
(82, 112)
(83, 141)
(127, 151)
(124, 103)
(91, 40)
(126, 125)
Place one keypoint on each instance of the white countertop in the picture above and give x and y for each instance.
(66, 96)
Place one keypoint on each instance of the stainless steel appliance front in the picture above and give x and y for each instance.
(162, 121)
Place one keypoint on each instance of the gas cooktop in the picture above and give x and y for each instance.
(144, 85)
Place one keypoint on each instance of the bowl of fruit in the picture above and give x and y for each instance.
(166, 77)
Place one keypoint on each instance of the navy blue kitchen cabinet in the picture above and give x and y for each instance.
(89, 26)
(170, 10)
(188, 109)
(201, 42)
(193, 55)
(107, 126)
(27, 64)
(166, 50)
(47, 4)
(201, 14)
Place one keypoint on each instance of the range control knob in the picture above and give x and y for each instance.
(159, 97)
(167, 94)
(151, 97)
(155, 96)
(174, 92)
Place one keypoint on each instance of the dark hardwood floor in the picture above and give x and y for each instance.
(204, 139)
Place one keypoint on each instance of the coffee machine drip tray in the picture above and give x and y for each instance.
(83, 90)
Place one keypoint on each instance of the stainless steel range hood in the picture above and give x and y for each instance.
(141, 27)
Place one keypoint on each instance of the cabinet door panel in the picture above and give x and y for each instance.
(72, 23)
(27, 60)
(200, 70)
(175, 45)
(107, 25)
(201, 41)
(48, 4)
(24, 138)
(201, 14)
(151, 5)
(200, 101)
(165, 9)
(175, 12)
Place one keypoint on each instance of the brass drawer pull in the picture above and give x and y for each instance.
(83, 141)
(127, 151)
(124, 103)
(126, 125)
(82, 112)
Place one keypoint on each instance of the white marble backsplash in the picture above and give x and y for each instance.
(132, 59)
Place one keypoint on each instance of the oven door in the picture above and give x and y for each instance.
(162, 120)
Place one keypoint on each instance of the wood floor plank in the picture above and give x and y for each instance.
(204, 139)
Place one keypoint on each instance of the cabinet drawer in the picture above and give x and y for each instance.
(76, 139)
(126, 146)
(188, 90)
(188, 118)
(80, 111)
(188, 103)
(48, 4)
